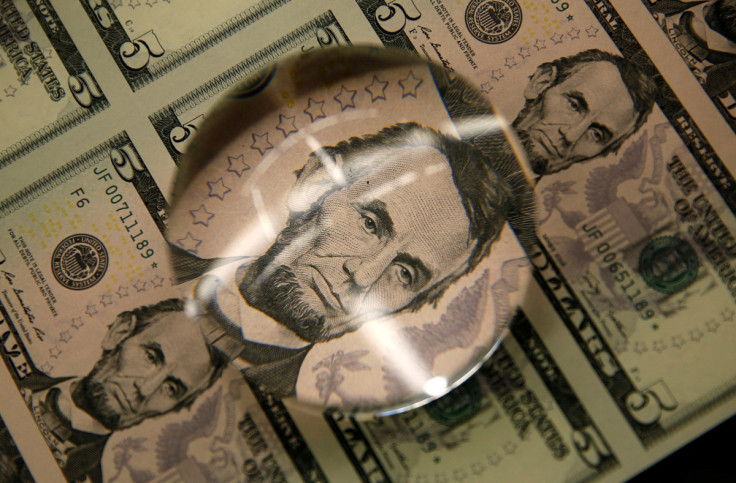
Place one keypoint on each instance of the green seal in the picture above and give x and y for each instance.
(457, 406)
(668, 264)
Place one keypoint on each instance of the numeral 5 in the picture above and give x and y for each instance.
(646, 406)
(126, 161)
(137, 53)
(392, 17)
(181, 136)
(84, 88)
(590, 445)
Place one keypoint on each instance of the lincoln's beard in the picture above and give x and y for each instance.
(90, 395)
(538, 162)
(273, 288)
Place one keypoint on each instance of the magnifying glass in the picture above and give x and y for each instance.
(348, 228)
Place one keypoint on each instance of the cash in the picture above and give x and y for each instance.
(44, 71)
(620, 352)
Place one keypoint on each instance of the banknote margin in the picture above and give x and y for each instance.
(167, 117)
(74, 167)
(49, 132)
(215, 36)
(115, 35)
(70, 120)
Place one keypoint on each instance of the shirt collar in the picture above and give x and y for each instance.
(713, 39)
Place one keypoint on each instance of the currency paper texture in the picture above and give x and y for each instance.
(619, 354)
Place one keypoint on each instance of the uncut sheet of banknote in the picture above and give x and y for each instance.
(620, 352)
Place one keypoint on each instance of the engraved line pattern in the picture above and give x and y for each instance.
(237, 72)
(213, 37)
(54, 179)
(49, 132)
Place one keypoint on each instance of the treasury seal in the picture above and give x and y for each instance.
(79, 261)
(458, 405)
(493, 21)
(668, 264)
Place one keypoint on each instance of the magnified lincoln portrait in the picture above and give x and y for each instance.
(378, 224)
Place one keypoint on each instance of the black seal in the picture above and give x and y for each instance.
(79, 261)
(457, 406)
(493, 21)
(668, 264)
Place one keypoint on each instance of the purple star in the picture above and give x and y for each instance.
(539, 44)
(189, 243)
(122, 291)
(201, 216)
(77, 322)
(54, 352)
(659, 346)
(510, 447)
(286, 125)
(712, 325)
(237, 164)
(409, 85)
(486, 87)
(678, 341)
(494, 459)
(496, 75)
(592, 31)
(315, 109)
(106, 300)
(346, 98)
(696, 335)
(158, 281)
(574, 33)
(640, 347)
(510, 62)
(91, 310)
(140, 286)
(377, 89)
(261, 143)
(556, 38)
(218, 189)
(524, 52)
(64, 336)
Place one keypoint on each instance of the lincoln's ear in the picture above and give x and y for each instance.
(120, 329)
(542, 79)
(321, 174)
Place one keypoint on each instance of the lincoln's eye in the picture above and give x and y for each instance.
(369, 225)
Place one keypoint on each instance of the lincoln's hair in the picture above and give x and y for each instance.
(148, 315)
(722, 18)
(486, 196)
(641, 86)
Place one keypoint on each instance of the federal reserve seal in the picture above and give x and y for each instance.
(493, 21)
(668, 264)
(458, 405)
(79, 262)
